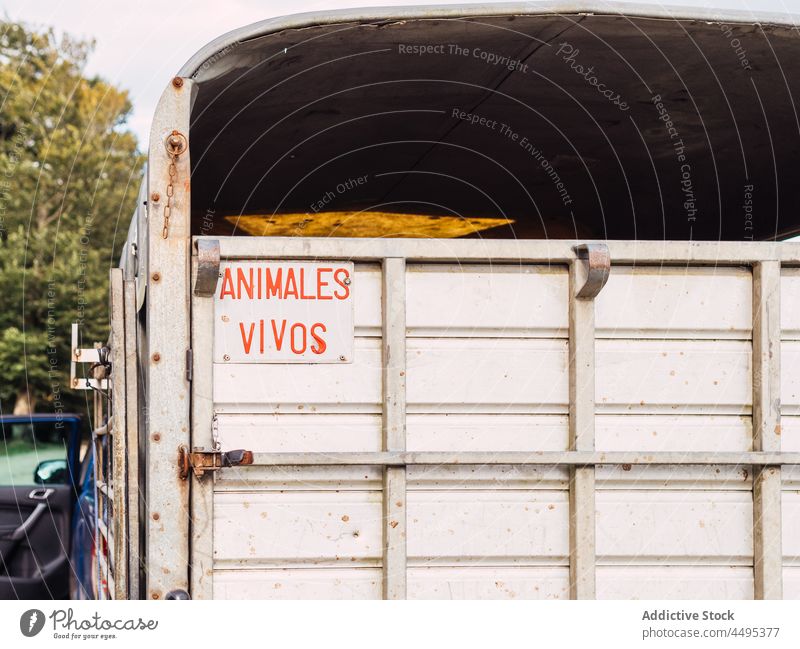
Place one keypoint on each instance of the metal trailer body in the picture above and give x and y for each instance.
(516, 422)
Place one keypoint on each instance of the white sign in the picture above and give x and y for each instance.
(284, 312)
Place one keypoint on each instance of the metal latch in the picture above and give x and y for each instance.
(201, 460)
(597, 259)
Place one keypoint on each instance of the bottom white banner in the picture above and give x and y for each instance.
(400, 624)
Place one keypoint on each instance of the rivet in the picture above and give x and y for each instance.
(177, 82)
(156, 357)
(156, 277)
(155, 197)
(347, 281)
(156, 516)
(155, 595)
(342, 358)
(156, 437)
(226, 358)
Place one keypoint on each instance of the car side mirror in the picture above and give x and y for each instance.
(50, 472)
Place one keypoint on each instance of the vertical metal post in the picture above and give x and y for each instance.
(202, 491)
(168, 295)
(118, 434)
(767, 550)
(132, 437)
(394, 427)
(587, 276)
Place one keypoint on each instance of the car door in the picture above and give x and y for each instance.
(37, 462)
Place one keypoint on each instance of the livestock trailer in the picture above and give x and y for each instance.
(478, 301)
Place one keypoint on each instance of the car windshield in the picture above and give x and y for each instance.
(26, 444)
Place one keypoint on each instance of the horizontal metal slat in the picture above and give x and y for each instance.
(557, 458)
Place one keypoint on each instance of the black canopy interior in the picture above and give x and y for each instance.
(567, 126)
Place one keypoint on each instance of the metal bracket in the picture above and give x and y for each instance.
(201, 460)
(205, 284)
(98, 359)
(598, 267)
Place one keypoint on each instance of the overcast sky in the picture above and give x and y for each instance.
(141, 44)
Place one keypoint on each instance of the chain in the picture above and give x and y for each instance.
(176, 144)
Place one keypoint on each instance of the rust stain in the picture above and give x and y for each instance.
(345, 518)
(393, 524)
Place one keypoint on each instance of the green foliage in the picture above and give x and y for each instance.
(69, 173)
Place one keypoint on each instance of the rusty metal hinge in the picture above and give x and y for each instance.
(201, 460)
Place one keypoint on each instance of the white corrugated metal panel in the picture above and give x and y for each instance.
(487, 371)
(676, 302)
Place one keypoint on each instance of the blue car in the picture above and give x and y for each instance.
(47, 545)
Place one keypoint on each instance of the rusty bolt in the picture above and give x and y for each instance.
(156, 357)
(156, 277)
(155, 595)
(156, 437)
(156, 516)
(177, 82)
(155, 197)
(626, 467)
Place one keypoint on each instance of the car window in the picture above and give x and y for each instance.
(33, 453)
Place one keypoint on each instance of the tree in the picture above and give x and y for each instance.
(69, 173)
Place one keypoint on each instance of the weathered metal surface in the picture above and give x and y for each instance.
(553, 251)
(119, 430)
(597, 264)
(586, 278)
(201, 461)
(544, 458)
(131, 434)
(202, 491)
(394, 372)
(207, 274)
(768, 554)
(168, 294)
(488, 459)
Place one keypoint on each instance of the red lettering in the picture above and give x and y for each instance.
(278, 336)
(227, 285)
(261, 337)
(290, 281)
(241, 281)
(294, 328)
(342, 283)
(303, 295)
(274, 284)
(321, 283)
(247, 340)
(321, 346)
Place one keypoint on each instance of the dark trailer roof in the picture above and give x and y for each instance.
(570, 120)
